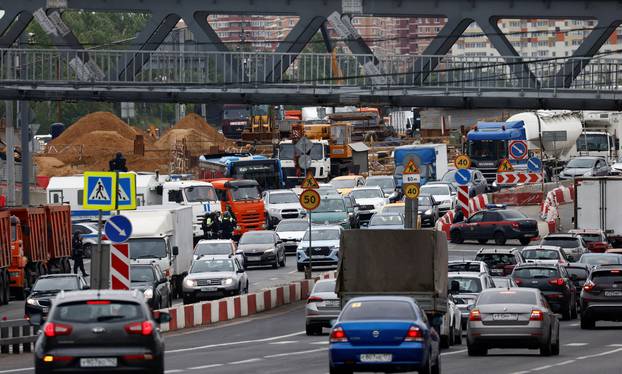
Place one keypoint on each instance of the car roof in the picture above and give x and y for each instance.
(586, 231)
(466, 262)
(589, 158)
(379, 177)
(366, 188)
(296, 220)
(536, 265)
(545, 247)
(333, 280)
(273, 192)
(64, 275)
(607, 267)
(505, 289)
(346, 177)
(214, 257)
(115, 295)
(214, 241)
(325, 227)
(400, 204)
(496, 250)
(465, 274)
(561, 236)
(382, 298)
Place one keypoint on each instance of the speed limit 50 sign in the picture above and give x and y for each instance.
(309, 199)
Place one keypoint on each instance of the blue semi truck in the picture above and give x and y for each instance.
(266, 171)
(431, 159)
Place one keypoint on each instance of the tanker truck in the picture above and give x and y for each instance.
(551, 135)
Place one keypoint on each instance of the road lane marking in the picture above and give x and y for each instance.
(205, 367)
(323, 342)
(235, 343)
(293, 272)
(614, 345)
(562, 363)
(17, 370)
(574, 324)
(453, 353)
(286, 342)
(599, 354)
(274, 279)
(296, 353)
(250, 360)
(575, 344)
(542, 368)
(173, 371)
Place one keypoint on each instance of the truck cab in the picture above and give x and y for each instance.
(431, 158)
(320, 161)
(200, 195)
(242, 198)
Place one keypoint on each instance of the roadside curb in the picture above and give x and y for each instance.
(209, 312)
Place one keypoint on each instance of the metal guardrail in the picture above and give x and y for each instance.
(224, 69)
(17, 336)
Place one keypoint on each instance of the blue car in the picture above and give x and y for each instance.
(383, 333)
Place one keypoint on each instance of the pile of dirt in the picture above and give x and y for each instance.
(196, 141)
(196, 122)
(98, 121)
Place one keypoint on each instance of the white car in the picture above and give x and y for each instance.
(281, 204)
(444, 193)
(216, 247)
(451, 327)
(324, 249)
(367, 202)
(544, 254)
(291, 231)
(385, 182)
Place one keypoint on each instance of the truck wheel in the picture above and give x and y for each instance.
(456, 237)
(499, 238)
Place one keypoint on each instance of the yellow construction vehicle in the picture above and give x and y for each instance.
(262, 127)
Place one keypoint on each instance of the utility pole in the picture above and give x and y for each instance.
(24, 126)
(10, 155)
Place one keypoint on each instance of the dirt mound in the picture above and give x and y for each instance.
(196, 141)
(196, 122)
(98, 121)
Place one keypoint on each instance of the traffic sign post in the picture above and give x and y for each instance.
(118, 229)
(518, 150)
(120, 266)
(310, 200)
(463, 200)
(462, 162)
(411, 179)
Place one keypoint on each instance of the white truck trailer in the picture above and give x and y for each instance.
(596, 205)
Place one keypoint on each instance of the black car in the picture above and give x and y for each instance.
(578, 274)
(495, 224)
(261, 248)
(601, 297)
(500, 261)
(101, 330)
(554, 282)
(428, 210)
(47, 287)
(149, 279)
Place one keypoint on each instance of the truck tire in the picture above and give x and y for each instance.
(499, 238)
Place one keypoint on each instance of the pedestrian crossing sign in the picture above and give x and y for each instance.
(126, 191)
(99, 190)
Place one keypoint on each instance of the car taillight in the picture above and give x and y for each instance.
(536, 315)
(475, 315)
(515, 225)
(141, 328)
(338, 335)
(52, 329)
(588, 286)
(314, 299)
(518, 281)
(557, 282)
(414, 334)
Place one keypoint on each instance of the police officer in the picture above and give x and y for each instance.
(118, 163)
(228, 225)
(458, 216)
(78, 254)
(206, 225)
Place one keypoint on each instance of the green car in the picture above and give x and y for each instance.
(331, 211)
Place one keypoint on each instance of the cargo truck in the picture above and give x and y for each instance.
(5, 256)
(596, 206)
(199, 195)
(242, 198)
(163, 234)
(431, 158)
(395, 262)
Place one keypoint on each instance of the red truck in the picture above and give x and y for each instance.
(5, 256)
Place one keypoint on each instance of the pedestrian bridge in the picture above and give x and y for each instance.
(307, 79)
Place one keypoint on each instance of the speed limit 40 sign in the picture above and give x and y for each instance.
(309, 199)
(462, 162)
(411, 191)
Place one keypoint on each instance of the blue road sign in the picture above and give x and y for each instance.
(126, 191)
(534, 164)
(118, 229)
(99, 190)
(518, 150)
(463, 176)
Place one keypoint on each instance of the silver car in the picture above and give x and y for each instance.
(216, 247)
(291, 231)
(213, 277)
(573, 245)
(323, 306)
(465, 287)
(280, 205)
(512, 318)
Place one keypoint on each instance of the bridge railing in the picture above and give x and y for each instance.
(116, 67)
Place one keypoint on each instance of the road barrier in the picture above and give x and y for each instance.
(17, 336)
(556, 197)
(476, 204)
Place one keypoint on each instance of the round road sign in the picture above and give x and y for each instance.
(463, 176)
(534, 164)
(462, 162)
(310, 199)
(518, 149)
(411, 191)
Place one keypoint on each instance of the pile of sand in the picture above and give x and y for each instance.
(196, 141)
(196, 122)
(98, 121)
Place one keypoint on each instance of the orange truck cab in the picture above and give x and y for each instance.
(242, 197)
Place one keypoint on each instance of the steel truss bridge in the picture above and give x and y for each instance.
(213, 73)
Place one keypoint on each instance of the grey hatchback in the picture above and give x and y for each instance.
(601, 297)
(100, 330)
(323, 306)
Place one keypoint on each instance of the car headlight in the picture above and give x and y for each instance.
(190, 283)
(274, 211)
(148, 293)
(228, 281)
(32, 301)
(428, 212)
(588, 174)
(271, 250)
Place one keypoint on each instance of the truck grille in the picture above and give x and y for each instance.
(490, 174)
(289, 213)
(209, 282)
(320, 251)
(250, 218)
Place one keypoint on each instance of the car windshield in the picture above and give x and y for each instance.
(328, 190)
(580, 273)
(487, 149)
(464, 266)
(343, 183)
(600, 259)
(211, 266)
(399, 209)
(494, 259)
(213, 249)
(435, 190)
(98, 311)
(512, 214)
(467, 285)
(561, 242)
(425, 201)
(387, 183)
(245, 193)
(535, 273)
(141, 274)
(513, 296)
(292, 226)
(582, 163)
(502, 282)
(330, 205)
(283, 198)
(378, 220)
(147, 248)
(613, 277)
(327, 286)
(593, 142)
(319, 234)
(257, 238)
(56, 284)
(366, 310)
(367, 194)
(593, 238)
(198, 194)
(540, 254)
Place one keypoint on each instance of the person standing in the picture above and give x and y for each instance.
(228, 225)
(118, 163)
(78, 254)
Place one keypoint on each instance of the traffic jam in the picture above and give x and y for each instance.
(458, 260)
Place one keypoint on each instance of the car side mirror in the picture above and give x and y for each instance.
(161, 317)
(175, 250)
(27, 291)
(455, 287)
(36, 319)
(240, 271)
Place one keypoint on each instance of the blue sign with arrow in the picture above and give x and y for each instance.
(534, 164)
(463, 176)
(118, 229)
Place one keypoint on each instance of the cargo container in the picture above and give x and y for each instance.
(30, 250)
(58, 218)
(5, 256)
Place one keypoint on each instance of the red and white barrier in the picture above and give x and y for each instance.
(475, 204)
(120, 266)
(478, 203)
(209, 312)
(555, 198)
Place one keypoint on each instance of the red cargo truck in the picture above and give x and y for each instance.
(5, 256)
(58, 218)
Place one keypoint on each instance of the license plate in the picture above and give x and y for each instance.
(208, 289)
(496, 271)
(530, 235)
(613, 293)
(45, 309)
(505, 317)
(254, 258)
(98, 362)
(332, 303)
(377, 357)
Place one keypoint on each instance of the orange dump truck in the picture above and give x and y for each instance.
(243, 198)
(5, 256)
